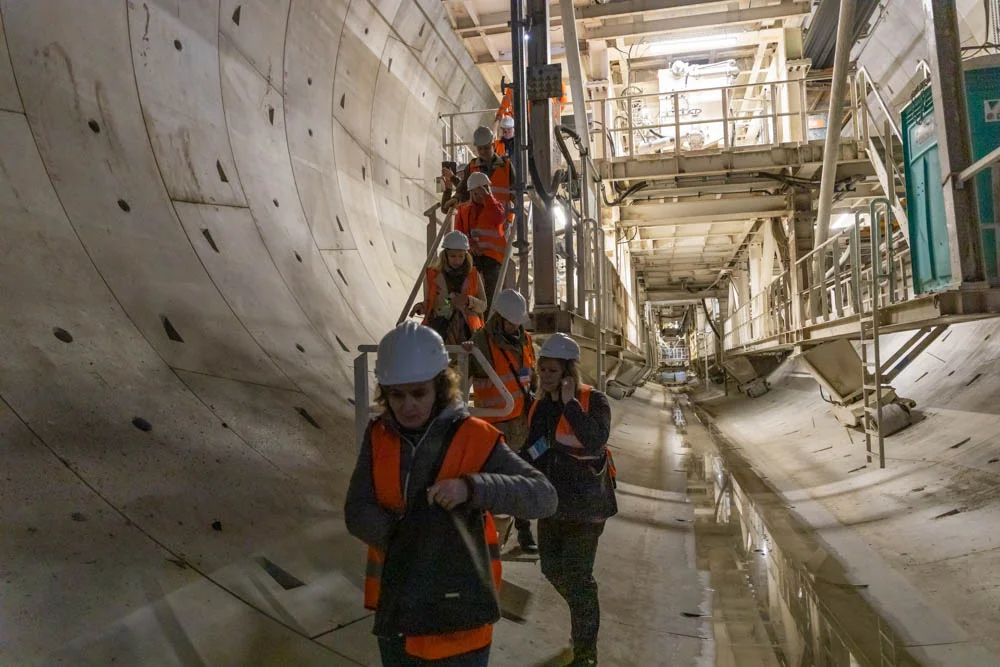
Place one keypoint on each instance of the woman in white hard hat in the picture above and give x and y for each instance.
(427, 477)
(568, 429)
(484, 220)
(455, 293)
(504, 144)
(508, 346)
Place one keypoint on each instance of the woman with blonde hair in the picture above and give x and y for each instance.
(455, 295)
(427, 479)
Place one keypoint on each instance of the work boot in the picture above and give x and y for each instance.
(526, 540)
(584, 656)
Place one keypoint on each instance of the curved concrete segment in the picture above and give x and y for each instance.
(205, 207)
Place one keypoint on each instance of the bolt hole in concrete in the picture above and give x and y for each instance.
(371, 243)
(341, 274)
(364, 173)
(236, 14)
(178, 45)
(343, 98)
(142, 424)
(270, 115)
(342, 346)
(298, 257)
(94, 126)
(222, 172)
(275, 202)
(172, 333)
(217, 526)
(282, 577)
(310, 132)
(308, 417)
(366, 31)
(309, 80)
(208, 237)
(394, 247)
(756, 551)
(62, 335)
(339, 224)
(78, 516)
(123, 205)
(298, 346)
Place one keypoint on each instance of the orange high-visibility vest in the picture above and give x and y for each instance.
(512, 374)
(470, 288)
(564, 432)
(500, 180)
(484, 228)
(467, 454)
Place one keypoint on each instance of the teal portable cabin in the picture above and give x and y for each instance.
(929, 245)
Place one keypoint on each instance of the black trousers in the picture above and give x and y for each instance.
(392, 650)
(567, 550)
(489, 269)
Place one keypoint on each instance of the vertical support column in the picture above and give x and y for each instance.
(955, 154)
(834, 125)
(517, 32)
(540, 127)
(600, 259)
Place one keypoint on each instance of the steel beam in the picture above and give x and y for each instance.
(835, 120)
(850, 160)
(704, 211)
(629, 7)
(542, 155)
(694, 21)
(954, 150)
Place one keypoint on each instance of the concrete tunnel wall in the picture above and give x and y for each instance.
(218, 200)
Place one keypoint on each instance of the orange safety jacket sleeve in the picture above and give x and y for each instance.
(507, 484)
(365, 518)
(591, 428)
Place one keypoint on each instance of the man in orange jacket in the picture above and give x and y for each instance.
(483, 219)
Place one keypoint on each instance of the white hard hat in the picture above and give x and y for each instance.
(512, 307)
(507, 121)
(455, 240)
(410, 353)
(477, 179)
(560, 346)
(483, 136)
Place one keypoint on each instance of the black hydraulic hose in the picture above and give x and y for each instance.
(711, 322)
(625, 195)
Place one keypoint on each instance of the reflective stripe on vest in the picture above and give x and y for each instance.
(515, 377)
(564, 432)
(467, 453)
(486, 239)
(470, 287)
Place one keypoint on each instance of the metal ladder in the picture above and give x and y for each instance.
(871, 371)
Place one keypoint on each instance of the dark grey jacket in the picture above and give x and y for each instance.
(505, 485)
(585, 490)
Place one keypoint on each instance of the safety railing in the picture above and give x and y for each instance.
(701, 119)
(829, 283)
(364, 410)
(883, 140)
(455, 146)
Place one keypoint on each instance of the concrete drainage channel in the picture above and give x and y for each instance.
(778, 597)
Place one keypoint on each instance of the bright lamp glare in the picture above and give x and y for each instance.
(558, 217)
(842, 221)
(689, 45)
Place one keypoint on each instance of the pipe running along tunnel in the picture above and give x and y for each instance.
(206, 206)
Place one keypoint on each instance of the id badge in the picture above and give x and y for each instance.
(540, 447)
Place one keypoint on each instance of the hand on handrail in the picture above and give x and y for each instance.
(418, 310)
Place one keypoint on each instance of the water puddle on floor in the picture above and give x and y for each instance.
(777, 597)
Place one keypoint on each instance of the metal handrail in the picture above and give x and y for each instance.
(431, 254)
(867, 81)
